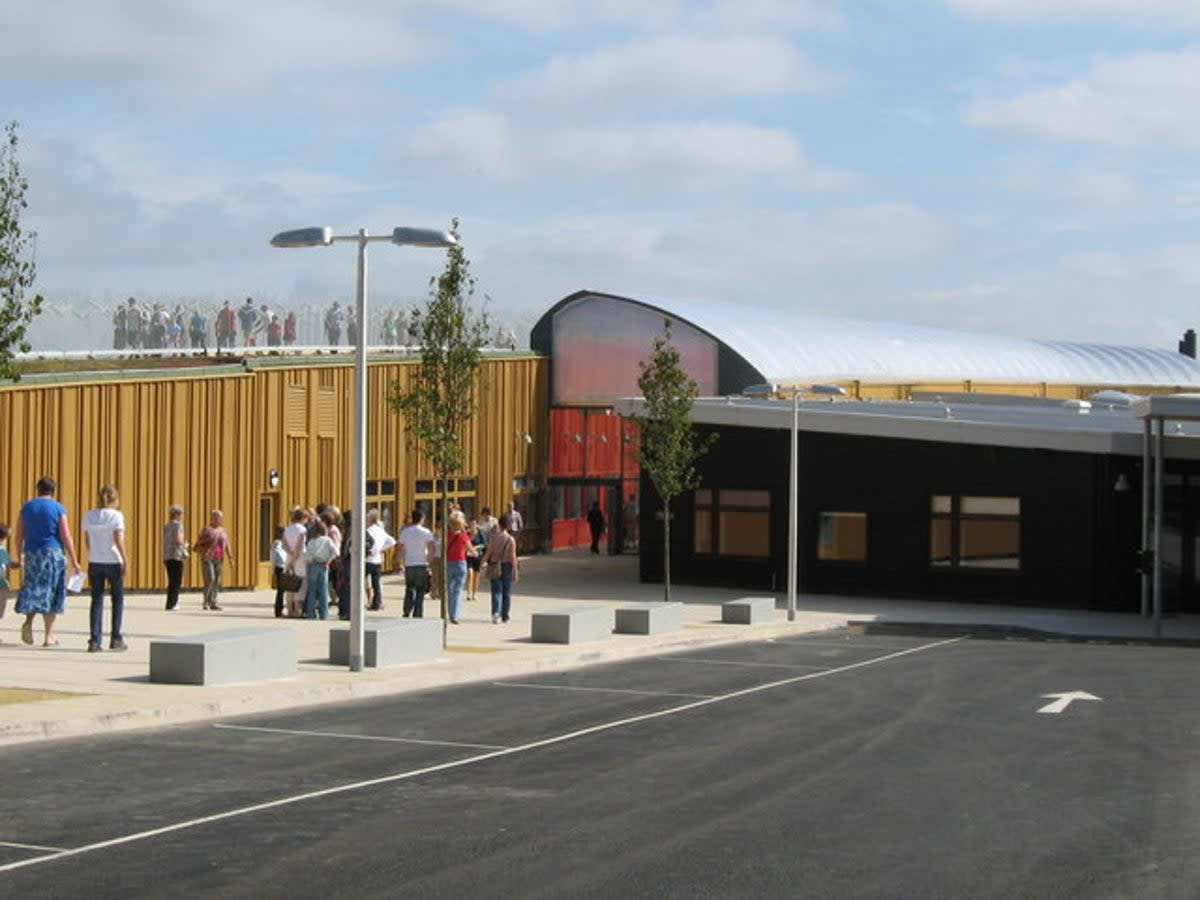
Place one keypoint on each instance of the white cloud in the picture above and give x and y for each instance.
(195, 50)
(1181, 262)
(1144, 100)
(797, 14)
(1125, 12)
(579, 15)
(688, 153)
(471, 142)
(727, 251)
(667, 155)
(1100, 266)
(665, 72)
(971, 293)
(1103, 189)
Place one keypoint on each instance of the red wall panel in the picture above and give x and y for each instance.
(567, 430)
(603, 444)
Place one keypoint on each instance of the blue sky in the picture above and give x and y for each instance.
(1021, 167)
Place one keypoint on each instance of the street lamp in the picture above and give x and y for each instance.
(323, 237)
(771, 390)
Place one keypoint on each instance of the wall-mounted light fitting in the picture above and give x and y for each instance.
(273, 478)
(525, 436)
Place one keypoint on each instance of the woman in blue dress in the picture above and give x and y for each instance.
(42, 545)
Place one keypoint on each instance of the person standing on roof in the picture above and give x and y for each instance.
(248, 319)
(335, 320)
(226, 325)
(260, 325)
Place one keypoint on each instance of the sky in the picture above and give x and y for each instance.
(1018, 167)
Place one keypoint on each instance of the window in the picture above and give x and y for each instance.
(266, 528)
(427, 497)
(381, 495)
(975, 532)
(842, 537)
(732, 523)
(525, 495)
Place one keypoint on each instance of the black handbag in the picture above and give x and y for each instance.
(289, 581)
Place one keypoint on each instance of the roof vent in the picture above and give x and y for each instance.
(1187, 346)
(1115, 398)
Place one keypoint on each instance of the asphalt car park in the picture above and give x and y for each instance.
(840, 764)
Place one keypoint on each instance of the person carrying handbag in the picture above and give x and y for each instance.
(502, 568)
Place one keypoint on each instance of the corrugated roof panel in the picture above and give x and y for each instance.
(788, 346)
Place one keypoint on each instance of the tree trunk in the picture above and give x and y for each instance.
(667, 550)
(444, 586)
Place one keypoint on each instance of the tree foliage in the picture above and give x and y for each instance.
(669, 445)
(17, 269)
(439, 399)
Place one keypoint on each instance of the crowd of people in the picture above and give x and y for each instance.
(143, 326)
(152, 326)
(311, 557)
(311, 562)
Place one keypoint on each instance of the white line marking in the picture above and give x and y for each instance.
(466, 761)
(736, 664)
(1062, 701)
(359, 737)
(833, 643)
(571, 687)
(32, 847)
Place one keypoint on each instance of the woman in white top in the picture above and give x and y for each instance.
(104, 534)
(295, 536)
(378, 543)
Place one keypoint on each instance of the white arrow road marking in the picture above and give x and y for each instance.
(1062, 701)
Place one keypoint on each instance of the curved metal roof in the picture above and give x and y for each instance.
(788, 346)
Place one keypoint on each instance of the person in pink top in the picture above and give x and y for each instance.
(213, 547)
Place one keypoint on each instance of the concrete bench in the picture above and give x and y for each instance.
(570, 626)
(748, 611)
(224, 657)
(649, 618)
(390, 642)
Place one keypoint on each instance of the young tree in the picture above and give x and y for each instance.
(669, 446)
(17, 273)
(440, 398)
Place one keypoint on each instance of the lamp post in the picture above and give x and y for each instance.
(793, 559)
(323, 237)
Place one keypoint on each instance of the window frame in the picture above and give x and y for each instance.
(948, 509)
(866, 537)
(707, 503)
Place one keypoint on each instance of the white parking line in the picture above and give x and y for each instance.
(572, 687)
(467, 761)
(735, 663)
(831, 644)
(360, 737)
(32, 847)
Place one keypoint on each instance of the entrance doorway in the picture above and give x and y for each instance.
(570, 499)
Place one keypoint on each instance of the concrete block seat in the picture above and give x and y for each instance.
(649, 618)
(390, 642)
(572, 625)
(224, 657)
(748, 611)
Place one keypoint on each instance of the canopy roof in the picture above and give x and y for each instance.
(788, 346)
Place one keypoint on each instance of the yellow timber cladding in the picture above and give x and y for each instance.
(210, 440)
